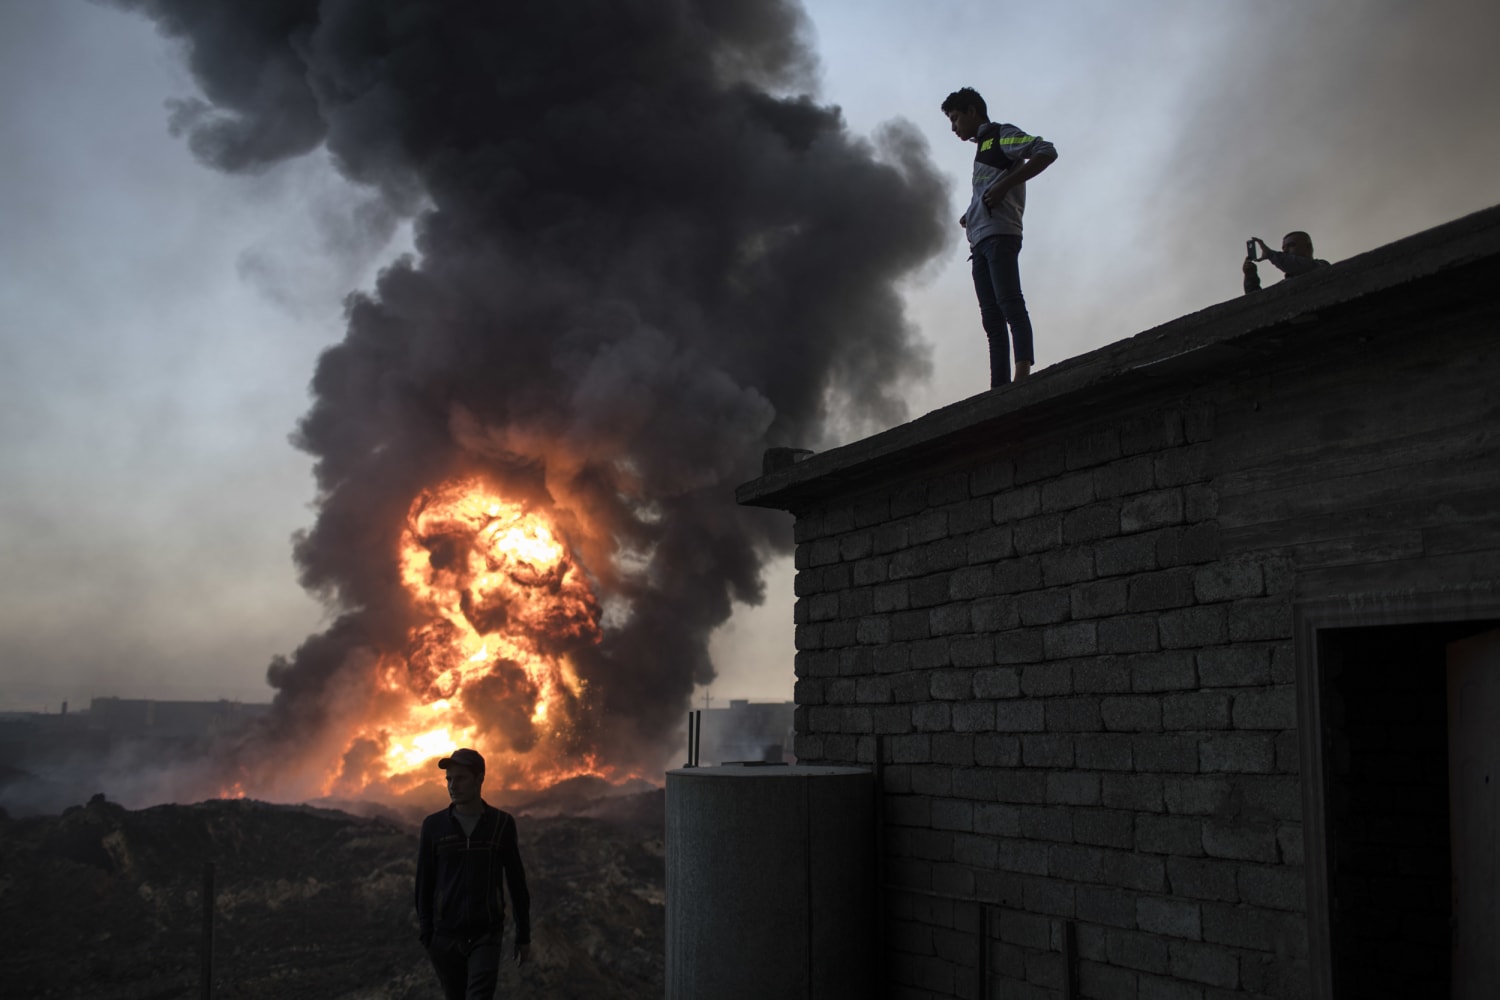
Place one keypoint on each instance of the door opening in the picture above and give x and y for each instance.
(1392, 863)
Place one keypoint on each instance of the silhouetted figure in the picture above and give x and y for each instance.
(463, 853)
(1294, 259)
(1006, 158)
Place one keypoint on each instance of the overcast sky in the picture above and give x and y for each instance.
(159, 321)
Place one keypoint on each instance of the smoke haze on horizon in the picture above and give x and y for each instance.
(160, 320)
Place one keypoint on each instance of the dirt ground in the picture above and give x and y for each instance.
(105, 903)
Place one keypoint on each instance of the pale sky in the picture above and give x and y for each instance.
(159, 321)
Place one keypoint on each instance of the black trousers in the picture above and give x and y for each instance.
(997, 284)
(467, 970)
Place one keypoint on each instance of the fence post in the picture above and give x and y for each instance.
(207, 944)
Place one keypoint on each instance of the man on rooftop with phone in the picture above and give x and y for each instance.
(1293, 260)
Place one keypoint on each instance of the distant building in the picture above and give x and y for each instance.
(31, 740)
(748, 731)
(49, 760)
(131, 717)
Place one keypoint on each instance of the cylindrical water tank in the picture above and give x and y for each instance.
(770, 883)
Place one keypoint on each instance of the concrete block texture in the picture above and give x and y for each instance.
(1120, 556)
(1152, 510)
(1073, 715)
(1136, 950)
(1163, 672)
(1160, 988)
(1195, 878)
(1103, 674)
(1075, 637)
(1165, 753)
(1098, 599)
(1160, 591)
(1052, 823)
(1126, 714)
(1239, 840)
(1193, 628)
(1201, 963)
(1044, 607)
(1091, 448)
(1270, 708)
(1092, 523)
(1077, 788)
(1104, 828)
(999, 682)
(1239, 752)
(1017, 504)
(1102, 905)
(1135, 871)
(1102, 981)
(1228, 580)
(1018, 716)
(1235, 666)
(1103, 752)
(1047, 751)
(1170, 917)
(1071, 640)
(1199, 710)
(1127, 476)
(1067, 491)
(1137, 792)
(991, 477)
(1278, 887)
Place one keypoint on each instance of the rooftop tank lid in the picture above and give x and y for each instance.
(765, 771)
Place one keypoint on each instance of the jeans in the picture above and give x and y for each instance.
(997, 283)
(466, 970)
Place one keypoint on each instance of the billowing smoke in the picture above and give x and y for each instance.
(643, 256)
(1325, 116)
(1360, 127)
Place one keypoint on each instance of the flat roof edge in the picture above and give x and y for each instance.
(1190, 346)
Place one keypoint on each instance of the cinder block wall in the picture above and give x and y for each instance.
(1075, 654)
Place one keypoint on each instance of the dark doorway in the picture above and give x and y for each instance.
(1385, 743)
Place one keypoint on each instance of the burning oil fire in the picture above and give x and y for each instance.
(501, 600)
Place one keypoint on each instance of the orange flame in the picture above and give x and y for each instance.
(501, 602)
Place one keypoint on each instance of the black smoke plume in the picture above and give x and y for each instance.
(1304, 118)
(644, 255)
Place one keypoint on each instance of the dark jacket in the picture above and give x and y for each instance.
(458, 877)
(1288, 264)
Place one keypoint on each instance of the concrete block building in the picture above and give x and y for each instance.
(1176, 662)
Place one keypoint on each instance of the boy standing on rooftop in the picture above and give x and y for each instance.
(1006, 158)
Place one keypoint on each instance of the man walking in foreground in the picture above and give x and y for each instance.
(1006, 159)
(463, 853)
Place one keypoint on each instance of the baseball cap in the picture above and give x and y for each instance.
(463, 757)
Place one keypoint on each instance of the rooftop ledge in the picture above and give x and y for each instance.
(1454, 261)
